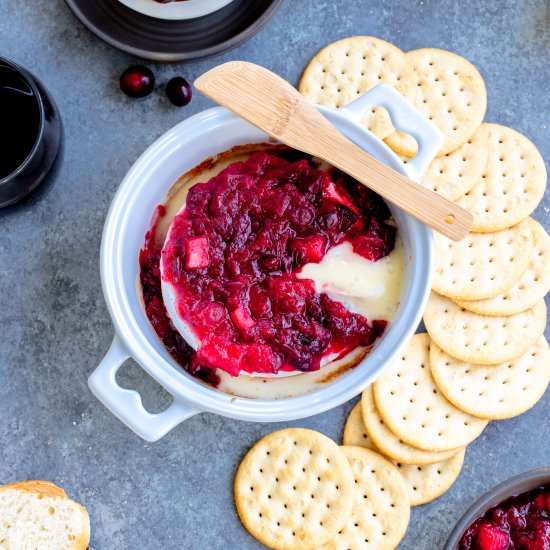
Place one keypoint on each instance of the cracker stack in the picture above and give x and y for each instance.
(486, 315)
(297, 490)
(484, 356)
(485, 348)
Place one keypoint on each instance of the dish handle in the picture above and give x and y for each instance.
(126, 404)
(405, 117)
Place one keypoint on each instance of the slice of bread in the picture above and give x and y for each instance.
(38, 515)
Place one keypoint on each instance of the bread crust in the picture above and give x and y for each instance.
(50, 490)
(82, 542)
(44, 488)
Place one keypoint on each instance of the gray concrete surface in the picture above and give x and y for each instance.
(54, 325)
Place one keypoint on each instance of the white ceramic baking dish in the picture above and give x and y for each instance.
(144, 187)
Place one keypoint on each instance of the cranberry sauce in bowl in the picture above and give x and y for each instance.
(519, 522)
(278, 265)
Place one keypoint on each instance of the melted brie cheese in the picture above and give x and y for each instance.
(369, 288)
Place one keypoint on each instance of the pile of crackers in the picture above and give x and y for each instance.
(297, 490)
(487, 305)
(404, 445)
(484, 356)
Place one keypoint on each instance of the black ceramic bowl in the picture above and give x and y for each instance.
(38, 163)
(514, 486)
(174, 40)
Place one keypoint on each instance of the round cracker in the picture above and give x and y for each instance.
(355, 433)
(530, 289)
(455, 173)
(450, 92)
(414, 409)
(482, 339)
(381, 511)
(346, 69)
(388, 443)
(493, 392)
(482, 265)
(428, 482)
(512, 183)
(294, 489)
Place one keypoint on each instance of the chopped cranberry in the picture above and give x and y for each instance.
(376, 242)
(233, 253)
(542, 502)
(541, 534)
(260, 358)
(309, 249)
(217, 351)
(242, 319)
(289, 294)
(211, 315)
(490, 537)
(517, 519)
(500, 518)
(196, 253)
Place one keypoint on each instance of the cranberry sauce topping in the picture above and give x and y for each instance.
(233, 252)
(520, 523)
(149, 263)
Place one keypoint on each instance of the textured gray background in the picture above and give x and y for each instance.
(55, 328)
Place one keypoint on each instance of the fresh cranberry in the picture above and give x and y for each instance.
(179, 91)
(137, 81)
